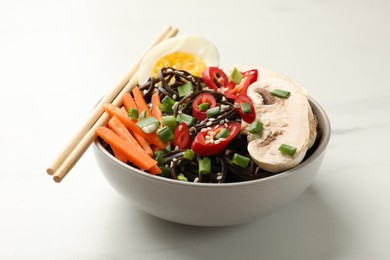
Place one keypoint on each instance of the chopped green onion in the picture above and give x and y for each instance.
(235, 76)
(181, 177)
(165, 108)
(148, 124)
(132, 113)
(158, 156)
(280, 93)
(204, 165)
(204, 106)
(223, 133)
(256, 127)
(189, 154)
(167, 100)
(240, 160)
(246, 107)
(185, 89)
(165, 134)
(169, 121)
(287, 149)
(165, 172)
(143, 114)
(212, 112)
(189, 120)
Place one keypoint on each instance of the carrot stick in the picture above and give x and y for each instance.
(155, 170)
(140, 101)
(134, 154)
(120, 129)
(156, 112)
(132, 127)
(128, 101)
(119, 155)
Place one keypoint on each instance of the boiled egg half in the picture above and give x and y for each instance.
(189, 53)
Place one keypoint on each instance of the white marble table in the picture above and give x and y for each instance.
(57, 58)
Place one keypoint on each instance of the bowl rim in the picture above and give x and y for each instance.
(326, 133)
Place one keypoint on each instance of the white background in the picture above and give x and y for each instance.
(57, 58)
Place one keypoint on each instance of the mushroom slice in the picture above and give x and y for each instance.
(286, 121)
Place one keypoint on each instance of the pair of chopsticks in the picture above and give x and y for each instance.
(73, 151)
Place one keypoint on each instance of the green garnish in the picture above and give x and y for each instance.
(256, 127)
(204, 165)
(287, 149)
(241, 161)
(185, 89)
(165, 172)
(132, 113)
(189, 120)
(212, 112)
(158, 156)
(165, 134)
(169, 121)
(189, 154)
(143, 114)
(235, 76)
(280, 93)
(148, 124)
(181, 177)
(223, 133)
(246, 107)
(204, 106)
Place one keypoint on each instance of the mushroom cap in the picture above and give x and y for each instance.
(286, 121)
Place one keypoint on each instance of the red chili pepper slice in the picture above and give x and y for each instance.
(214, 78)
(181, 137)
(233, 90)
(201, 99)
(203, 147)
(247, 117)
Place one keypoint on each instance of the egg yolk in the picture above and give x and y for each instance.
(181, 61)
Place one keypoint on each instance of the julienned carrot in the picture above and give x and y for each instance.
(139, 139)
(120, 129)
(155, 170)
(128, 101)
(156, 112)
(119, 155)
(140, 101)
(132, 126)
(133, 154)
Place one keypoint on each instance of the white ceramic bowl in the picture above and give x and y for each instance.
(204, 204)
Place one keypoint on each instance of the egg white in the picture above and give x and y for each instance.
(195, 45)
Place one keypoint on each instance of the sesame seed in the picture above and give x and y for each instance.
(226, 125)
(196, 179)
(219, 173)
(180, 127)
(176, 147)
(227, 120)
(171, 164)
(217, 141)
(227, 152)
(145, 91)
(222, 122)
(203, 130)
(192, 129)
(207, 141)
(222, 139)
(174, 159)
(219, 178)
(174, 96)
(208, 123)
(211, 119)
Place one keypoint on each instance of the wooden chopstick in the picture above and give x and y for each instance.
(65, 161)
